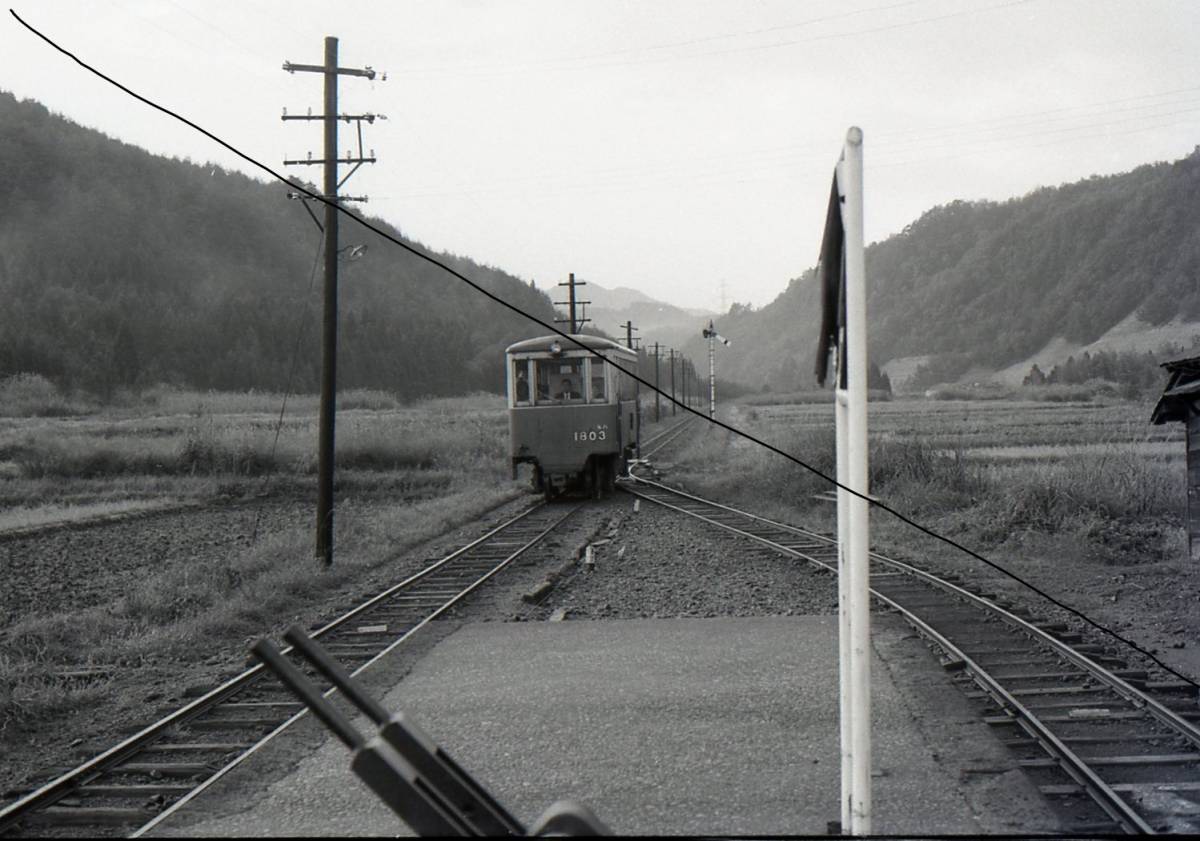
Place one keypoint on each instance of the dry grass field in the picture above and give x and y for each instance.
(1085, 499)
(172, 446)
(227, 551)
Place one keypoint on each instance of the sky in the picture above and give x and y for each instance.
(678, 148)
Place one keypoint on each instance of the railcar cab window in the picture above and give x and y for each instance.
(522, 394)
(599, 390)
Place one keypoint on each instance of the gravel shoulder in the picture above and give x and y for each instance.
(85, 564)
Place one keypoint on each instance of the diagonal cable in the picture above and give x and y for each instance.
(514, 308)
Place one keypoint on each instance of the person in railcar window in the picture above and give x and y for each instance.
(521, 387)
(567, 390)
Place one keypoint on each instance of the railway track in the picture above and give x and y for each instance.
(1115, 746)
(133, 786)
(665, 437)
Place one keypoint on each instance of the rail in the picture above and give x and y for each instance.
(478, 558)
(806, 545)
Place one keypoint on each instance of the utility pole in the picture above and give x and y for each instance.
(683, 373)
(672, 382)
(576, 323)
(637, 389)
(629, 331)
(657, 392)
(330, 161)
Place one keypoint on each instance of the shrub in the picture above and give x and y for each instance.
(1119, 485)
(366, 398)
(28, 395)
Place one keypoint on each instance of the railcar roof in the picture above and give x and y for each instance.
(542, 344)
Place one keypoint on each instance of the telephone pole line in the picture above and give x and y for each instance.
(683, 373)
(570, 303)
(672, 382)
(657, 391)
(631, 343)
(330, 161)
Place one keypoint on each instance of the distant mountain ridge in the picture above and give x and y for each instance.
(613, 299)
(656, 321)
(984, 287)
(119, 268)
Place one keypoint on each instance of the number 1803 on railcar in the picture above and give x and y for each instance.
(571, 415)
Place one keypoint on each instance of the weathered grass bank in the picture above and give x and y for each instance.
(406, 474)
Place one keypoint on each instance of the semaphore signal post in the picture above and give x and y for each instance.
(330, 161)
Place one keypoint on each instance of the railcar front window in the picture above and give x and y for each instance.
(559, 380)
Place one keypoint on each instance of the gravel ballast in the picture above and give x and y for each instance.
(688, 716)
(660, 564)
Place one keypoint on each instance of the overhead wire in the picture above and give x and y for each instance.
(875, 502)
(769, 162)
(301, 326)
(828, 37)
(550, 63)
(571, 63)
(916, 137)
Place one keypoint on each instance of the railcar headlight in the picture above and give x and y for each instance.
(555, 348)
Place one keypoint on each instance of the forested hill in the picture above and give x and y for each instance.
(983, 285)
(120, 268)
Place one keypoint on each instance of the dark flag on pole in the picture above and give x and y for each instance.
(831, 274)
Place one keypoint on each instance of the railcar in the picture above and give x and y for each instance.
(572, 416)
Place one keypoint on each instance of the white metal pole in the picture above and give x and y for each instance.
(844, 715)
(857, 470)
(712, 372)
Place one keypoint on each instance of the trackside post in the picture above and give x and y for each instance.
(844, 714)
(853, 510)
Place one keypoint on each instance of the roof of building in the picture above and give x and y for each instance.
(1182, 391)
